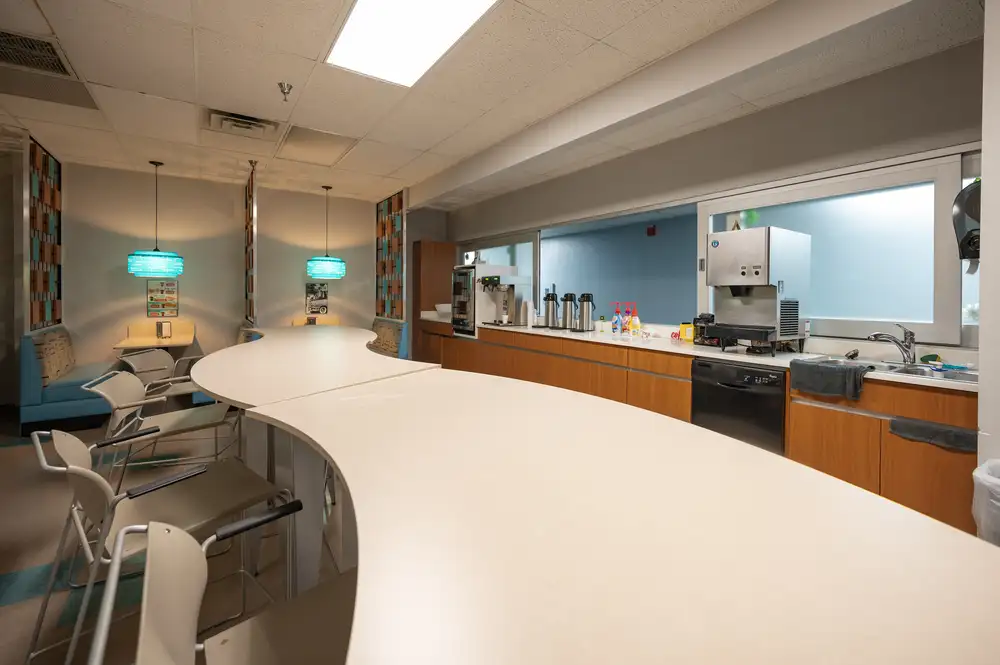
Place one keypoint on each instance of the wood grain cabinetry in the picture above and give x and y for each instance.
(948, 407)
(844, 445)
(428, 340)
(660, 363)
(671, 397)
(931, 480)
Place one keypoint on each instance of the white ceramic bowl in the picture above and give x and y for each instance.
(443, 309)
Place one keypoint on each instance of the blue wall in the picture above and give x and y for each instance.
(622, 263)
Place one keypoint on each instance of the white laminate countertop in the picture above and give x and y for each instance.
(292, 362)
(502, 522)
(738, 354)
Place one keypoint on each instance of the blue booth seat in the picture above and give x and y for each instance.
(50, 379)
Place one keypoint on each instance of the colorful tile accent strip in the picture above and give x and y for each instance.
(250, 250)
(45, 234)
(389, 247)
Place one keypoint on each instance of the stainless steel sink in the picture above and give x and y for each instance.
(949, 375)
(877, 364)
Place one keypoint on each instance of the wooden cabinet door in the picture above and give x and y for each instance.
(844, 445)
(653, 393)
(931, 480)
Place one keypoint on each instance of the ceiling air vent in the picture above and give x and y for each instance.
(242, 125)
(31, 53)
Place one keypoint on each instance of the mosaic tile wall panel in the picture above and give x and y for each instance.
(250, 250)
(389, 227)
(44, 238)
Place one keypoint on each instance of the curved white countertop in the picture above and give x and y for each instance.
(291, 362)
(512, 523)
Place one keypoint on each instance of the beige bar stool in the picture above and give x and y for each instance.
(312, 629)
(160, 373)
(196, 499)
(127, 396)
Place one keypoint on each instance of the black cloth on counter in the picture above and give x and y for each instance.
(828, 379)
(948, 437)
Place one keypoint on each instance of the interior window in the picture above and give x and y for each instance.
(872, 252)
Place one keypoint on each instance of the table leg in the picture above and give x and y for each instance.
(309, 476)
(258, 446)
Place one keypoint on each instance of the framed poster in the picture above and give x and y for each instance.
(162, 298)
(317, 298)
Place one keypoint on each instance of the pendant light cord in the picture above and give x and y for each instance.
(326, 242)
(156, 205)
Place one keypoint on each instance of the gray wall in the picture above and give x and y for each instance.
(107, 214)
(931, 103)
(623, 264)
(290, 231)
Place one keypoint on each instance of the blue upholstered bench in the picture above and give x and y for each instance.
(50, 379)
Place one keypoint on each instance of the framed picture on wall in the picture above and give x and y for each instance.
(162, 298)
(317, 298)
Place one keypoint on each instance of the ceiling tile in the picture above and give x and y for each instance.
(501, 55)
(421, 121)
(146, 115)
(314, 174)
(674, 24)
(377, 158)
(343, 102)
(423, 167)
(125, 48)
(241, 79)
(483, 132)
(583, 75)
(36, 109)
(301, 27)
(178, 10)
(76, 143)
(177, 158)
(233, 143)
(22, 16)
(308, 145)
(596, 18)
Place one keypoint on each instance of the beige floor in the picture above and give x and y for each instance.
(33, 507)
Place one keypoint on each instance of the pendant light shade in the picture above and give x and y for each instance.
(153, 262)
(326, 266)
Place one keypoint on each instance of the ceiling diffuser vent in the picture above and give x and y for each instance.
(30, 53)
(242, 125)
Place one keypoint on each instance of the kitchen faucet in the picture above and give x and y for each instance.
(908, 346)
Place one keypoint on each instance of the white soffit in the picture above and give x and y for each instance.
(749, 45)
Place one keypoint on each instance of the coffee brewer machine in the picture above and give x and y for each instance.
(759, 281)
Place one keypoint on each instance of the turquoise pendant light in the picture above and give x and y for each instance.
(153, 262)
(326, 266)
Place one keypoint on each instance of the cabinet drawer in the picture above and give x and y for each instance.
(928, 479)
(552, 345)
(671, 397)
(491, 336)
(660, 363)
(598, 353)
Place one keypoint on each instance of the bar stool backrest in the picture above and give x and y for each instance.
(90, 490)
(117, 389)
(173, 587)
(150, 365)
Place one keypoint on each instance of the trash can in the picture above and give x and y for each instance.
(986, 500)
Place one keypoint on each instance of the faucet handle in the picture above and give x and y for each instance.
(908, 335)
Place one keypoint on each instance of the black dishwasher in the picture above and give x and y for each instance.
(741, 401)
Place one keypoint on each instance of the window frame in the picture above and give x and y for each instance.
(946, 174)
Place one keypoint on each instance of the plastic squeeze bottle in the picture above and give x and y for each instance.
(627, 320)
(635, 325)
(616, 320)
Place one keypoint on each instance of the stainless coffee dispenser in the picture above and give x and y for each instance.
(585, 318)
(566, 321)
(550, 310)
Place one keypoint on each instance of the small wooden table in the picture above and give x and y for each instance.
(143, 335)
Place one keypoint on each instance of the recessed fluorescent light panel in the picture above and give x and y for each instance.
(399, 40)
